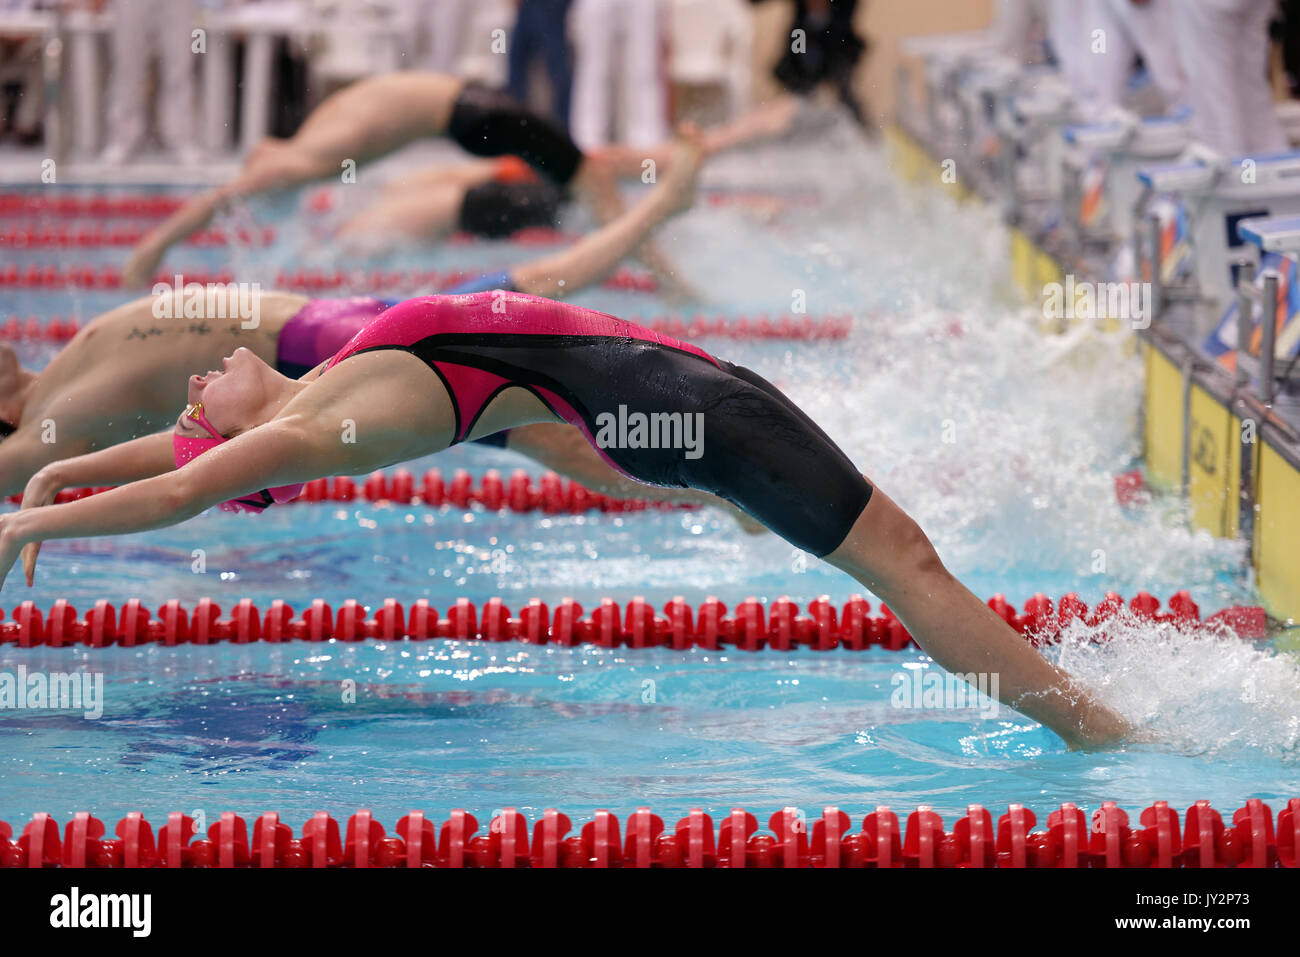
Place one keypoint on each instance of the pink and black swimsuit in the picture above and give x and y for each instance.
(758, 450)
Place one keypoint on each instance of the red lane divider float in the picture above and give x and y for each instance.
(699, 326)
(94, 205)
(551, 494)
(387, 282)
(779, 626)
(62, 236)
(156, 205)
(1253, 837)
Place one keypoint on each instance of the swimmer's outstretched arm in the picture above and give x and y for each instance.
(130, 461)
(280, 452)
(770, 119)
(607, 207)
(595, 256)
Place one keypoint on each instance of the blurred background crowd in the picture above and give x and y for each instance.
(111, 80)
(107, 81)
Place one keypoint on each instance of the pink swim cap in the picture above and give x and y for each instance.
(186, 449)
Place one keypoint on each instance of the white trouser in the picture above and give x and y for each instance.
(446, 21)
(1146, 28)
(616, 45)
(1070, 37)
(1224, 48)
(140, 29)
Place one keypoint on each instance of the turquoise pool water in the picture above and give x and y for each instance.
(1002, 443)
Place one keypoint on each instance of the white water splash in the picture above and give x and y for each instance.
(1192, 690)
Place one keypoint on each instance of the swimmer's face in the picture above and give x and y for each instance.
(233, 396)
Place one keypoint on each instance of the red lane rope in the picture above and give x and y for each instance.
(99, 206)
(156, 205)
(62, 236)
(91, 276)
(1253, 838)
(698, 326)
(551, 494)
(779, 626)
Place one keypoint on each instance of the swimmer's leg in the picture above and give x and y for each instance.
(767, 456)
(562, 448)
(371, 117)
(592, 258)
(888, 553)
(363, 121)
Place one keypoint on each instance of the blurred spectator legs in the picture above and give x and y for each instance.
(711, 59)
(142, 28)
(833, 49)
(540, 32)
(446, 25)
(617, 46)
(1130, 28)
(23, 87)
(1224, 46)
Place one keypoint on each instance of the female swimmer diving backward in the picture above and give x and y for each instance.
(431, 372)
(122, 376)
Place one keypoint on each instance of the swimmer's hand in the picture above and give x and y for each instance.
(9, 546)
(41, 490)
(12, 541)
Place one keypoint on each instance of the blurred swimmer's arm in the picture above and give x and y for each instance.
(595, 256)
(280, 452)
(148, 253)
(131, 461)
(596, 186)
(566, 450)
